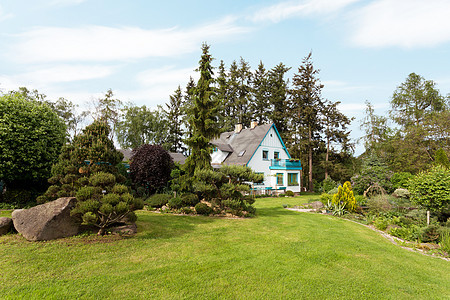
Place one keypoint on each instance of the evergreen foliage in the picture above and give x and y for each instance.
(374, 172)
(307, 105)
(202, 117)
(90, 152)
(345, 196)
(103, 202)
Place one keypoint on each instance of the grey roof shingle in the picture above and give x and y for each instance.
(248, 139)
(177, 157)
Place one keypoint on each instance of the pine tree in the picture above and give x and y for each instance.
(335, 131)
(173, 114)
(277, 93)
(307, 105)
(202, 117)
(261, 99)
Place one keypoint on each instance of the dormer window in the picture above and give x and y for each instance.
(241, 153)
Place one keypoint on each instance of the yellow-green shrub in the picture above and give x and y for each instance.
(345, 196)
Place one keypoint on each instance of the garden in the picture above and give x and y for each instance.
(277, 254)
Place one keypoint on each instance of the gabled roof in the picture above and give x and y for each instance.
(177, 157)
(243, 145)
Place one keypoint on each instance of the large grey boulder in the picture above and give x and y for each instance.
(5, 225)
(47, 221)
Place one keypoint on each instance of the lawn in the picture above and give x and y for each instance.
(279, 254)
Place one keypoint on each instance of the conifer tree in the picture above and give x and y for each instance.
(174, 116)
(335, 130)
(202, 117)
(278, 90)
(307, 105)
(260, 90)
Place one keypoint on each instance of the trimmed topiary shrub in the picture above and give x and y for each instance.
(290, 193)
(158, 200)
(175, 203)
(189, 199)
(203, 209)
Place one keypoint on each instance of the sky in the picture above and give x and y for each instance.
(143, 49)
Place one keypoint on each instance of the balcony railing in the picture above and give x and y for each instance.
(285, 164)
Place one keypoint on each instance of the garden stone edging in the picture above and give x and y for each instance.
(5, 225)
(393, 239)
(47, 221)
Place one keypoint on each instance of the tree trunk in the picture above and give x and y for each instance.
(311, 187)
(326, 158)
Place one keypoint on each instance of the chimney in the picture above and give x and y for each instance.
(253, 124)
(237, 128)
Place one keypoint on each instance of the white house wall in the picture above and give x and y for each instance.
(272, 144)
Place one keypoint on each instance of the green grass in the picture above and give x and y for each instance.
(280, 254)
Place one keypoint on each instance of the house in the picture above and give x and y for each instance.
(261, 148)
(177, 157)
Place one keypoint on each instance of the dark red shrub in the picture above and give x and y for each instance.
(150, 167)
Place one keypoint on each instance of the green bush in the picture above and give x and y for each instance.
(406, 233)
(381, 223)
(429, 233)
(186, 210)
(203, 209)
(328, 184)
(175, 203)
(333, 191)
(190, 199)
(445, 242)
(431, 189)
(379, 204)
(290, 193)
(401, 193)
(361, 200)
(158, 200)
(325, 198)
(400, 180)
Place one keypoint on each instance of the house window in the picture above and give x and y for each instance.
(292, 179)
(276, 155)
(261, 182)
(279, 178)
(265, 155)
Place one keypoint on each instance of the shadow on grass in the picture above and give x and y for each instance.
(165, 226)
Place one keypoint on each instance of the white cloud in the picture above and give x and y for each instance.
(66, 73)
(66, 2)
(402, 23)
(291, 9)
(166, 75)
(100, 43)
(5, 16)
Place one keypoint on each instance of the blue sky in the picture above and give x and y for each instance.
(142, 50)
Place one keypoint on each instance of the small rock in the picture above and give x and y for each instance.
(129, 229)
(5, 225)
(316, 204)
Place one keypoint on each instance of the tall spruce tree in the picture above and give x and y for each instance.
(307, 105)
(174, 114)
(277, 93)
(202, 117)
(261, 98)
